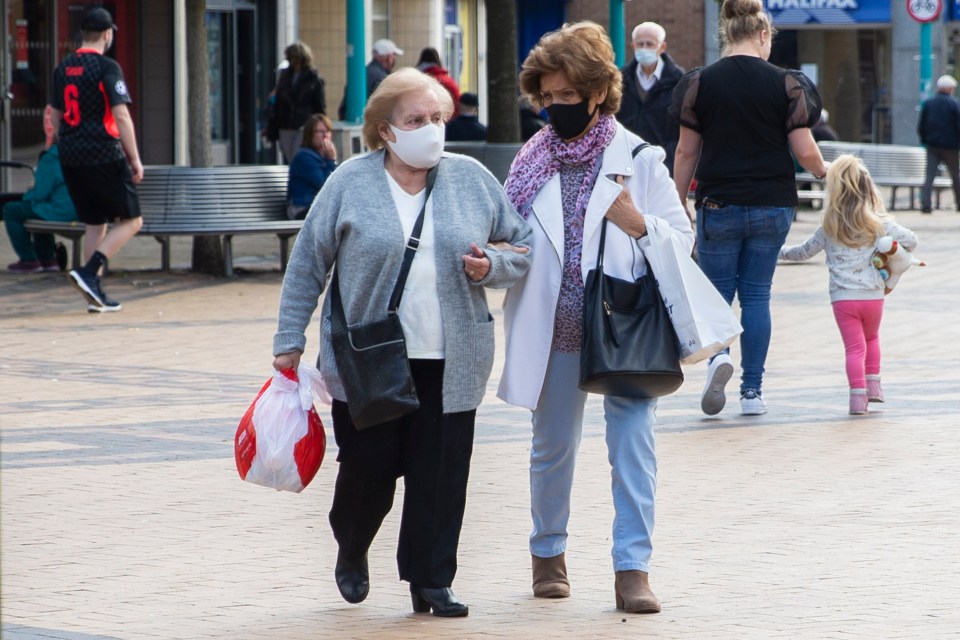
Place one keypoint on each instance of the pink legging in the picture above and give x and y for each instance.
(859, 323)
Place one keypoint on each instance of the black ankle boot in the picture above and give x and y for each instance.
(353, 578)
(442, 600)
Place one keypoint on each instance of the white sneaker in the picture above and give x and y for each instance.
(752, 404)
(718, 374)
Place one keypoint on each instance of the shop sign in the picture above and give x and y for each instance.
(792, 13)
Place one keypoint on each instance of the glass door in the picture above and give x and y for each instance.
(26, 72)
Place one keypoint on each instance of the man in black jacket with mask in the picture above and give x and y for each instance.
(648, 83)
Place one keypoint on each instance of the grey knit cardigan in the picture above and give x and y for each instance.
(353, 224)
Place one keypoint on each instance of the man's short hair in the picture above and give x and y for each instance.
(469, 100)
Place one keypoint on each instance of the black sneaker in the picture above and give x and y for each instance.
(109, 305)
(89, 286)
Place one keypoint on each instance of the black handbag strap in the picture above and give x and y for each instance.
(337, 317)
(603, 228)
(412, 245)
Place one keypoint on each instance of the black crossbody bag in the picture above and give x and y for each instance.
(372, 358)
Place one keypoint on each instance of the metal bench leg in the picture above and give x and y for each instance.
(284, 247)
(164, 252)
(893, 198)
(228, 256)
(77, 252)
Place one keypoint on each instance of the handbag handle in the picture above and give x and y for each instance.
(337, 316)
(603, 228)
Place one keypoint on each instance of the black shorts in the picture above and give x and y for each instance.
(102, 193)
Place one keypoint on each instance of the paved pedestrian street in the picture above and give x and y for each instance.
(122, 515)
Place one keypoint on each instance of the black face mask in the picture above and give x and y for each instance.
(569, 120)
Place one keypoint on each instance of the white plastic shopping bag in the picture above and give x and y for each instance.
(704, 322)
(280, 440)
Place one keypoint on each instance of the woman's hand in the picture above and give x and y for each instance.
(506, 246)
(289, 360)
(625, 214)
(476, 264)
(328, 150)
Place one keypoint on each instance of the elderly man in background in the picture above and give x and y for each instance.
(385, 54)
(939, 131)
(648, 83)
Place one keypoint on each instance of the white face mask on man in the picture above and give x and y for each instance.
(420, 148)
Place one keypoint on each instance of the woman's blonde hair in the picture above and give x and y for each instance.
(381, 104)
(854, 214)
(583, 52)
(742, 20)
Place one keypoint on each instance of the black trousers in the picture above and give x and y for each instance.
(950, 158)
(431, 450)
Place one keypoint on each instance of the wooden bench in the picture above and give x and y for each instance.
(209, 201)
(891, 165)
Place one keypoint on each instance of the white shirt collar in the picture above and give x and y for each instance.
(647, 82)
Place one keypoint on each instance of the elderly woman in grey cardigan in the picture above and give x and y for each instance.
(472, 238)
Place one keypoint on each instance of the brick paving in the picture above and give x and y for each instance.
(122, 516)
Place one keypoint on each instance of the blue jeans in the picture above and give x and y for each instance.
(557, 427)
(738, 247)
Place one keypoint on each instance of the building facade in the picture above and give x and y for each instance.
(863, 55)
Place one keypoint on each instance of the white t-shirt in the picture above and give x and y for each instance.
(420, 304)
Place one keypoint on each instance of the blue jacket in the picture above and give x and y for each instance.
(939, 124)
(308, 171)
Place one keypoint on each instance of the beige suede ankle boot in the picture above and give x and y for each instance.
(634, 594)
(550, 577)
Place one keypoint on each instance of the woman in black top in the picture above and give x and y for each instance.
(740, 119)
(299, 94)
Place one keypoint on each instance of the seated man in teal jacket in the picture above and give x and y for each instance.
(47, 200)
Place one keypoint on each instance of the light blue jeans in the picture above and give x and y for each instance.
(738, 248)
(557, 428)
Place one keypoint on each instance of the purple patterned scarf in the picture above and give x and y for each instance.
(540, 159)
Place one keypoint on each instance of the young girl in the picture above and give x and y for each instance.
(853, 221)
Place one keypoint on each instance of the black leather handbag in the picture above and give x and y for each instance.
(629, 347)
(372, 358)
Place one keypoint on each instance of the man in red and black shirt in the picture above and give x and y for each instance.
(98, 151)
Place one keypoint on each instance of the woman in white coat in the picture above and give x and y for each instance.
(575, 172)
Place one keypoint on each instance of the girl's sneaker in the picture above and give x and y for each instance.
(858, 402)
(874, 390)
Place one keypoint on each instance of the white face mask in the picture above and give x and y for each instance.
(646, 56)
(420, 148)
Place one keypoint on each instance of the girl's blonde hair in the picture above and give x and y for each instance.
(854, 214)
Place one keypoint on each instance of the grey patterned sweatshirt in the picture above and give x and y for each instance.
(852, 275)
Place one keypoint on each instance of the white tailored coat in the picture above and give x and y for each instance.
(530, 305)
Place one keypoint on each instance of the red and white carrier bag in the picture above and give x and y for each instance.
(280, 440)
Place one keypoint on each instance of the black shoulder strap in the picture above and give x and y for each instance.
(337, 316)
(603, 229)
(412, 245)
(640, 147)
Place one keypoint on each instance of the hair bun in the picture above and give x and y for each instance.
(741, 8)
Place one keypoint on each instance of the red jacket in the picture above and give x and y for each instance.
(440, 75)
